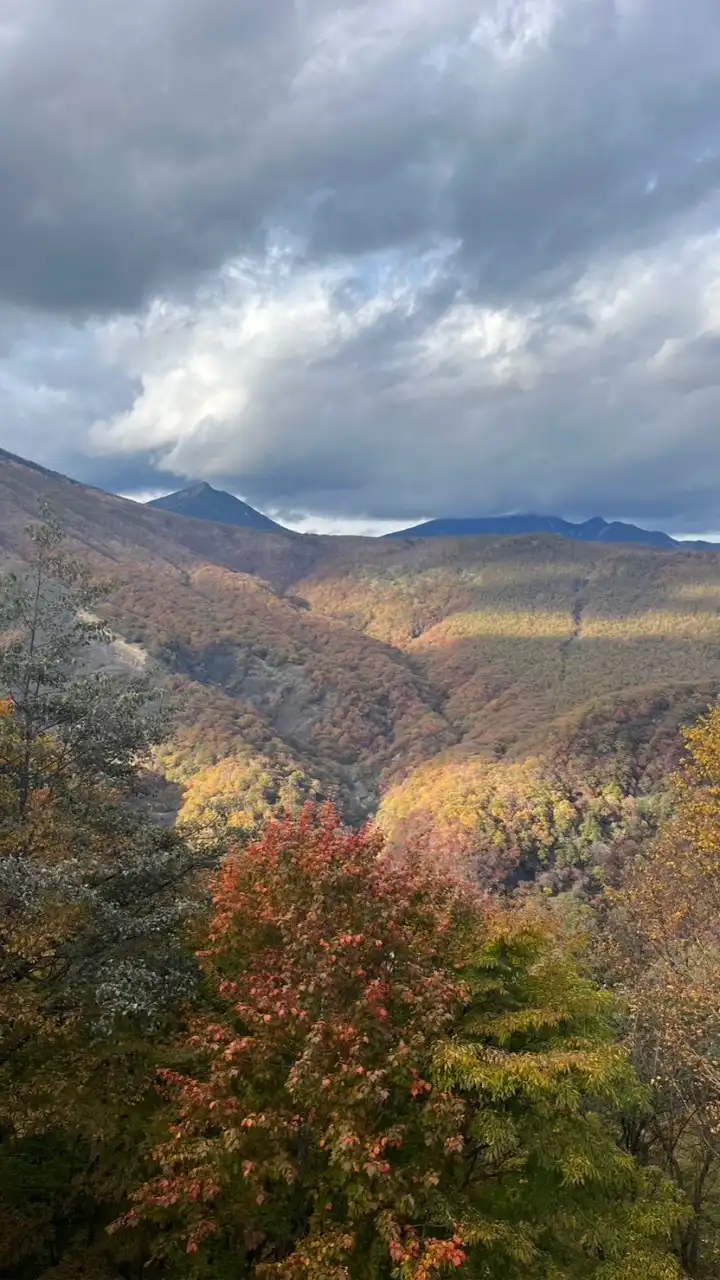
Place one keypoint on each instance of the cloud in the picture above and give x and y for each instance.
(367, 261)
(607, 398)
(151, 141)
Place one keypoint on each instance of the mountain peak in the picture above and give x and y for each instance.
(197, 488)
(200, 501)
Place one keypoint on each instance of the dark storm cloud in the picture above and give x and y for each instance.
(136, 475)
(129, 153)
(383, 260)
(147, 141)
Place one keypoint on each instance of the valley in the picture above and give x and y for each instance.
(381, 672)
(187, 981)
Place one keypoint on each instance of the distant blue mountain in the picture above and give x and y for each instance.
(202, 502)
(595, 530)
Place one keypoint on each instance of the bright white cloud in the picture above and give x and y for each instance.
(463, 397)
(368, 261)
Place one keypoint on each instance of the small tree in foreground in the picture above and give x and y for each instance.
(93, 895)
(398, 1079)
(95, 968)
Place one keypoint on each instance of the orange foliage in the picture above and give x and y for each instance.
(393, 1078)
(664, 951)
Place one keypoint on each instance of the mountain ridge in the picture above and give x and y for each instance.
(201, 501)
(376, 670)
(595, 529)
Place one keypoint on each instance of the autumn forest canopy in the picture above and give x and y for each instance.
(359, 640)
(358, 906)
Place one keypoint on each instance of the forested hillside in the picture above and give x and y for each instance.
(243, 1035)
(375, 671)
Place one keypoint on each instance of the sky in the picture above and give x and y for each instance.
(365, 262)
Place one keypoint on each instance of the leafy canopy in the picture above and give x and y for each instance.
(94, 900)
(664, 951)
(397, 1079)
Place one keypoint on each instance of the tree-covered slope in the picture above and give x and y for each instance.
(353, 666)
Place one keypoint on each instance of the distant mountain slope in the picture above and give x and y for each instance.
(514, 632)
(112, 532)
(595, 530)
(359, 663)
(202, 502)
(262, 681)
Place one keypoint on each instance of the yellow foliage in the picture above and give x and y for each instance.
(245, 791)
(387, 654)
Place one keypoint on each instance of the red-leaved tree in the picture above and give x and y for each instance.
(398, 1079)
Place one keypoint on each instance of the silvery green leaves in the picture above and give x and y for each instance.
(94, 897)
(78, 929)
(104, 721)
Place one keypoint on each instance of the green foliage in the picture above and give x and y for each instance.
(242, 792)
(453, 1098)
(99, 723)
(90, 891)
(511, 823)
(662, 948)
(396, 1079)
(94, 904)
